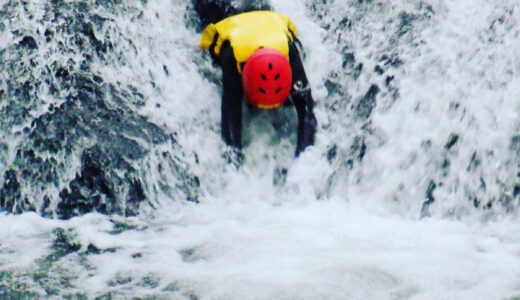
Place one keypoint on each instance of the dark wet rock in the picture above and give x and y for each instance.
(357, 71)
(29, 42)
(358, 149)
(60, 131)
(391, 60)
(51, 278)
(516, 191)
(476, 202)
(445, 167)
(11, 288)
(49, 281)
(79, 144)
(123, 225)
(63, 243)
(405, 23)
(389, 80)
(332, 153)
(279, 176)
(93, 249)
(150, 281)
(345, 23)
(474, 162)
(348, 60)
(92, 190)
(367, 103)
(429, 198)
(332, 87)
(121, 278)
(46, 209)
(11, 198)
(492, 190)
(483, 184)
(379, 70)
(362, 151)
(234, 157)
(49, 34)
(452, 141)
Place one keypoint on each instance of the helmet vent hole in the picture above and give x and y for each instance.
(270, 66)
(263, 76)
(277, 90)
(277, 76)
(262, 91)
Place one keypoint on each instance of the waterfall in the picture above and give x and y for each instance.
(115, 183)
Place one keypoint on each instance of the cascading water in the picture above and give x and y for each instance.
(115, 183)
(73, 140)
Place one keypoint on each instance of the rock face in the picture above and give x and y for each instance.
(72, 139)
(392, 75)
(71, 142)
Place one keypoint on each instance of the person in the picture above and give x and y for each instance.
(257, 50)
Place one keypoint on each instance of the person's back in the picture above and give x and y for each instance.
(257, 50)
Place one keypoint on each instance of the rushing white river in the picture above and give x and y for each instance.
(412, 190)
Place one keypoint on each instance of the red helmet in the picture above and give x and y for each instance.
(267, 78)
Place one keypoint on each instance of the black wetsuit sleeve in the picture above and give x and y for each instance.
(303, 102)
(231, 122)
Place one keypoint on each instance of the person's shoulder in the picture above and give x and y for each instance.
(208, 35)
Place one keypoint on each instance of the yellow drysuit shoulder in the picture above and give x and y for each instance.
(247, 32)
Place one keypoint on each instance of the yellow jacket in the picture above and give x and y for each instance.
(247, 32)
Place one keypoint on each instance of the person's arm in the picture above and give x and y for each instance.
(231, 122)
(303, 102)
